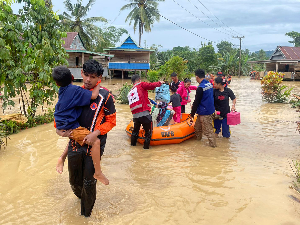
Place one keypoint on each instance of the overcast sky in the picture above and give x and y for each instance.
(262, 22)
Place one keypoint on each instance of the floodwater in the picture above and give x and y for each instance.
(245, 180)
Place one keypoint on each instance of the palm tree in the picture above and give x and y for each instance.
(75, 21)
(143, 14)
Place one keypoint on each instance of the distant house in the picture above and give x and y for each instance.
(78, 54)
(128, 57)
(284, 59)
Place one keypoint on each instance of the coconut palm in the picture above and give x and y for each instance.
(143, 14)
(76, 21)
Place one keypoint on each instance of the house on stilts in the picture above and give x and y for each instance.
(78, 55)
(128, 57)
(285, 60)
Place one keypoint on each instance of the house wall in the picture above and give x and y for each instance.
(133, 57)
(72, 59)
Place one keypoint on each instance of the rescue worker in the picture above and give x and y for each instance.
(99, 117)
(204, 106)
(140, 107)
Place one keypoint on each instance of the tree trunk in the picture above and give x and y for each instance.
(140, 34)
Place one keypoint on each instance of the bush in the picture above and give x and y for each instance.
(123, 92)
(152, 76)
(8, 127)
(272, 90)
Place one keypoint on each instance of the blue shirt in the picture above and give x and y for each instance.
(68, 107)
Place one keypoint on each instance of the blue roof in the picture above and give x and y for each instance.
(128, 45)
(129, 66)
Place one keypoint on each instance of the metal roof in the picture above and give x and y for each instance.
(128, 45)
(290, 52)
(89, 52)
(128, 66)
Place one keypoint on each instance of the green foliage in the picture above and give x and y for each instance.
(224, 47)
(8, 127)
(295, 36)
(75, 21)
(153, 76)
(123, 92)
(207, 58)
(272, 90)
(174, 65)
(143, 14)
(31, 45)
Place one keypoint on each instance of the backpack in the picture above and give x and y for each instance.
(162, 93)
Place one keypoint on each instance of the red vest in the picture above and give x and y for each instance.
(138, 99)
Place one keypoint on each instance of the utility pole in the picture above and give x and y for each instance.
(240, 53)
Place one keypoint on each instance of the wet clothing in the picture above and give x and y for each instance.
(225, 128)
(203, 125)
(204, 106)
(185, 93)
(146, 121)
(140, 107)
(100, 115)
(68, 107)
(175, 84)
(221, 101)
(222, 104)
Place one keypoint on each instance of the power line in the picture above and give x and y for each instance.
(208, 16)
(186, 29)
(216, 16)
(200, 19)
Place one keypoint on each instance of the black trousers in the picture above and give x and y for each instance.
(146, 121)
(81, 174)
(182, 108)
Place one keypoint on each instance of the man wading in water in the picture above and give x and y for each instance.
(99, 117)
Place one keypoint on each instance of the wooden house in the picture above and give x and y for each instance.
(128, 57)
(78, 55)
(284, 59)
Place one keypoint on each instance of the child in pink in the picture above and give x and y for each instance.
(176, 104)
(184, 91)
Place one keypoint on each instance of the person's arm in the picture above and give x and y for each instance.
(110, 121)
(151, 86)
(63, 133)
(192, 87)
(95, 92)
(233, 104)
(198, 97)
(233, 98)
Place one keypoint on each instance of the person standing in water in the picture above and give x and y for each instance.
(184, 91)
(140, 107)
(204, 106)
(99, 117)
(67, 111)
(221, 100)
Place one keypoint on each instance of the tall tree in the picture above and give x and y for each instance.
(224, 47)
(31, 46)
(76, 21)
(296, 38)
(143, 14)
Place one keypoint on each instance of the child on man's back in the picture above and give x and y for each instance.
(67, 112)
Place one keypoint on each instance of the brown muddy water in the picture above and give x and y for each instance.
(245, 180)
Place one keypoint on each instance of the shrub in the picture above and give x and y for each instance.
(152, 76)
(272, 90)
(123, 92)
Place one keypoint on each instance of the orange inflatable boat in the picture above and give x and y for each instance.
(172, 134)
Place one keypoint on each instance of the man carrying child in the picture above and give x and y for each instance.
(99, 117)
